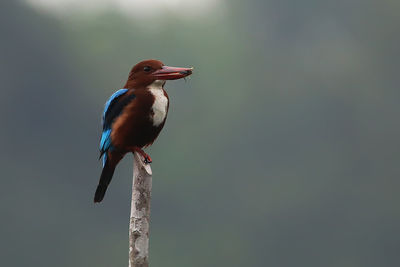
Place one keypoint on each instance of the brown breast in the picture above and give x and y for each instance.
(142, 120)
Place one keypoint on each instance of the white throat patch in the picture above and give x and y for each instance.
(159, 108)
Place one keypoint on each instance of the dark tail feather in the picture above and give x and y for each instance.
(105, 180)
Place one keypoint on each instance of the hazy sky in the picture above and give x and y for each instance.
(135, 7)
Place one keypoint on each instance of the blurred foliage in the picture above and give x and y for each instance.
(281, 150)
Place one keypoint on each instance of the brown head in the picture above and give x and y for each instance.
(146, 72)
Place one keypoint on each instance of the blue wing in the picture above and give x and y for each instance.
(105, 144)
(112, 101)
(112, 109)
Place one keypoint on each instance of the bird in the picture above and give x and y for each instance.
(134, 116)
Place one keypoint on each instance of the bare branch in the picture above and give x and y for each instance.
(140, 213)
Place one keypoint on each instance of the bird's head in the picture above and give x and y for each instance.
(146, 72)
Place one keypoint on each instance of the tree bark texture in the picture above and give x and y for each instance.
(140, 213)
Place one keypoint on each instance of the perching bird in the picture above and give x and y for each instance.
(134, 116)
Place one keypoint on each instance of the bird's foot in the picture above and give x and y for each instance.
(146, 157)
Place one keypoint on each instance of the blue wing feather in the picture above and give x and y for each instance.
(105, 141)
(111, 99)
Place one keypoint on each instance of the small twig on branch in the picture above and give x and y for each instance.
(140, 213)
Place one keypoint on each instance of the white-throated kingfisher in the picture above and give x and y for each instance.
(134, 116)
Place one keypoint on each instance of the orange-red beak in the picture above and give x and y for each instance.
(172, 73)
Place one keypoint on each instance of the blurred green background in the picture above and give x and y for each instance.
(281, 150)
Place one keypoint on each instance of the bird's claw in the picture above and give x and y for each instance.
(147, 160)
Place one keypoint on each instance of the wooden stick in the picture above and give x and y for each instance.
(140, 213)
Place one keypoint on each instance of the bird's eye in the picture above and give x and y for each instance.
(147, 69)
